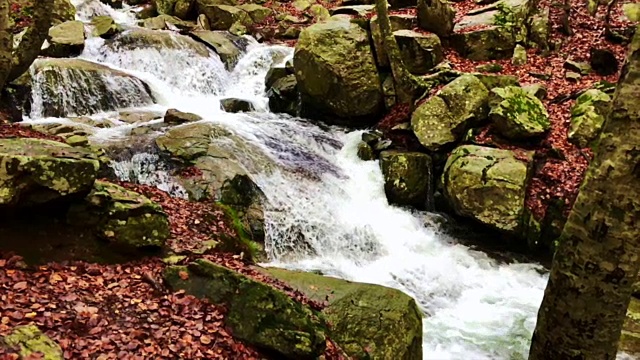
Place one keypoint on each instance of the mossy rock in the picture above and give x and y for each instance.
(408, 178)
(228, 46)
(34, 171)
(65, 40)
(104, 26)
(587, 117)
(368, 321)
(517, 114)
(488, 185)
(29, 340)
(122, 217)
(630, 336)
(257, 313)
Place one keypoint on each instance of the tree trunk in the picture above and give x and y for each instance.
(32, 41)
(6, 42)
(597, 262)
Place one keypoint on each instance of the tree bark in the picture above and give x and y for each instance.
(597, 261)
(6, 42)
(32, 41)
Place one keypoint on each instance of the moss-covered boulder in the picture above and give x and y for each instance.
(175, 116)
(179, 8)
(398, 22)
(256, 12)
(257, 312)
(436, 16)
(29, 341)
(65, 39)
(104, 27)
(122, 217)
(283, 95)
(336, 72)
(228, 46)
(407, 178)
(234, 105)
(518, 114)
(488, 185)
(223, 17)
(630, 336)
(420, 52)
(492, 32)
(34, 171)
(368, 321)
(444, 118)
(587, 117)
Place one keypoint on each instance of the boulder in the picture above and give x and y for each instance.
(34, 171)
(167, 22)
(63, 10)
(368, 321)
(29, 341)
(398, 22)
(319, 12)
(174, 116)
(124, 218)
(283, 96)
(491, 81)
(492, 32)
(223, 17)
(138, 38)
(540, 29)
(257, 13)
(81, 77)
(365, 151)
(65, 39)
(234, 105)
(408, 178)
(104, 27)
(274, 74)
(445, 117)
(228, 46)
(179, 8)
(487, 185)
(420, 52)
(257, 313)
(587, 117)
(336, 72)
(517, 114)
(436, 16)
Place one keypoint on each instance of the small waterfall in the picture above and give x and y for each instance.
(72, 87)
(147, 169)
(87, 9)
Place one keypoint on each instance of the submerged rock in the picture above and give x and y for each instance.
(398, 22)
(30, 341)
(336, 72)
(228, 46)
(283, 96)
(445, 117)
(257, 312)
(408, 178)
(587, 117)
(368, 321)
(488, 185)
(518, 114)
(34, 171)
(234, 105)
(144, 38)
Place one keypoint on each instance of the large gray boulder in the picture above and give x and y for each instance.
(408, 178)
(336, 72)
(228, 46)
(517, 113)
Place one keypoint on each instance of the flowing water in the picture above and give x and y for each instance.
(475, 308)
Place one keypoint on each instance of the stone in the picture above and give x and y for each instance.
(228, 46)
(319, 12)
(257, 313)
(34, 171)
(335, 87)
(146, 11)
(491, 81)
(179, 8)
(420, 52)
(519, 55)
(436, 16)
(65, 39)
(223, 17)
(518, 114)
(587, 117)
(88, 78)
(354, 10)
(538, 90)
(283, 96)
(30, 341)
(540, 29)
(368, 321)
(581, 68)
(234, 105)
(256, 12)
(365, 152)
(492, 32)
(445, 117)
(122, 217)
(573, 76)
(104, 26)
(174, 116)
(408, 178)
(488, 185)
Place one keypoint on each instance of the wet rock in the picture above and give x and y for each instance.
(65, 39)
(160, 40)
(174, 116)
(122, 217)
(104, 27)
(444, 118)
(488, 185)
(223, 17)
(274, 74)
(365, 152)
(234, 105)
(30, 341)
(283, 96)
(228, 46)
(581, 68)
(368, 321)
(354, 10)
(408, 178)
(319, 12)
(334, 87)
(39, 171)
(257, 312)
(146, 11)
(77, 140)
(587, 117)
(134, 117)
(420, 52)
(538, 90)
(436, 16)
(518, 114)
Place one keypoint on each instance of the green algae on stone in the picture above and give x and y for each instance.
(587, 117)
(38, 171)
(518, 114)
(257, 313)
(368, 321)
(407, 177)
(487, 184)
(445, 117)
(29, 340)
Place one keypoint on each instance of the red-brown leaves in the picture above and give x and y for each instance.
(19, 131)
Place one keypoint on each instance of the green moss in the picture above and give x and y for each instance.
(241, 243)
(30, 341)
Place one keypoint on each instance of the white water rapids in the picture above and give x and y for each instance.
(475, 308)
